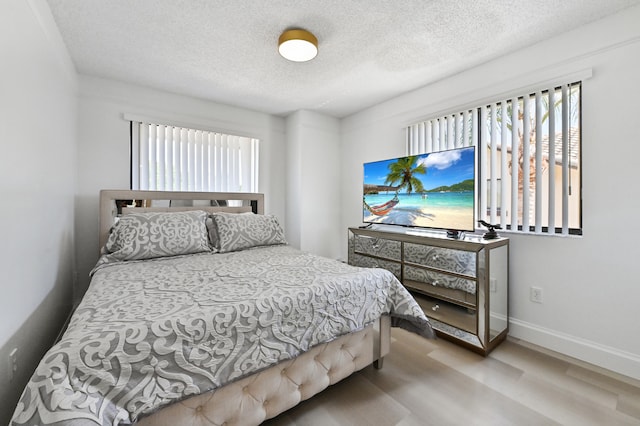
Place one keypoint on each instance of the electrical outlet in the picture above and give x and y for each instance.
(13, 363)
(493, 285)
(535, 294)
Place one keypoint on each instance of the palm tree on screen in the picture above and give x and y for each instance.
(402, 174)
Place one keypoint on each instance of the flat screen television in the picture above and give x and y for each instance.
(435, 190)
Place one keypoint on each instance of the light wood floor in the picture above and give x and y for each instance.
(434, 382)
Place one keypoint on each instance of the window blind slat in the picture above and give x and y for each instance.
(234, 162)
(451, 132)
(153, 161)
(175, 167)
(504, 173)
(191, 159)
(184, 159)
(551, 221)
(203, 162)
(211, 162)
(455, 132)
(160, 155)
(515, 173)
(466, 130)
(413, 134)
(538, 167)
(218, 161)
(224, 169)
(482, 159)
(442, 140)
(168, 152)
(493, 188)
(244, 171)
(197, 161)
(407, 139)
(566, 104)
(526, 162)
(435, 131)
(421, 138)
(255, 169)
(143, 159)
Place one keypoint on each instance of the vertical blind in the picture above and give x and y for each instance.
(171, 158)
(529, 162)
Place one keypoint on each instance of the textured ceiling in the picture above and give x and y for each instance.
(369, 50)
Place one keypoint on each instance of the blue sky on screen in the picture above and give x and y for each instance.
(444, 168)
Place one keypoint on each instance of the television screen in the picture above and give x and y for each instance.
(435, 190)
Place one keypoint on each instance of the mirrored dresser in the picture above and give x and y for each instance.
(461, 284)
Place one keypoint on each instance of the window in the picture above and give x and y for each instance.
(172, 158)
(529, 177)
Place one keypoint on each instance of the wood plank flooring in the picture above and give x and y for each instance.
(434, 382)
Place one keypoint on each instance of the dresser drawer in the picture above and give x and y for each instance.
(456, 289)
(456, 316)
(378, 247)
(373, 262)
(458, 261)
(436, 279)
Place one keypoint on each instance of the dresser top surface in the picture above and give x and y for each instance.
(469, 241)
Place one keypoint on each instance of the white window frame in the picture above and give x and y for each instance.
(496, 185)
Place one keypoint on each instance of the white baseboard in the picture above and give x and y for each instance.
(602, 356)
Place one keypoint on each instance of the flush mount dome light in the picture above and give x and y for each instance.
(298, 45)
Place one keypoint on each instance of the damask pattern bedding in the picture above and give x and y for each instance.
(155, 331)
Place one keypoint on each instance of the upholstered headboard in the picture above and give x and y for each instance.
(114, 203)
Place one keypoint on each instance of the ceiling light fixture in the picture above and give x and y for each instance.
(298, 45)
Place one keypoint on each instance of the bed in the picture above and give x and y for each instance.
(199, 312)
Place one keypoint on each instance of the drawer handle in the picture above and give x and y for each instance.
(434, 257)
(435, 307)
(435, 283)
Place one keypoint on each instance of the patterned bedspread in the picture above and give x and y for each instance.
(148, 333)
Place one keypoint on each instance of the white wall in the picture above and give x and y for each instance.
(590, 283)
(37, 184)
(103, 151)
(59, 151)
(313, 183)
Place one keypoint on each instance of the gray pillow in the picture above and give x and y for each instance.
(242, 231)
(214, 241)
(140, 236)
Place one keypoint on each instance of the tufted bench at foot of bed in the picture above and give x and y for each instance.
(261, 396)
